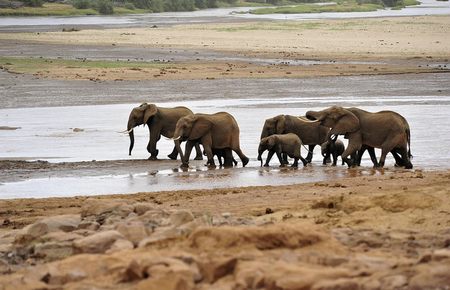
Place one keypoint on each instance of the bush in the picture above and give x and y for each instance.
(392, 3)
(129, 6)
(81, 4)
(105, 7)
(33, 3)
(153, 5)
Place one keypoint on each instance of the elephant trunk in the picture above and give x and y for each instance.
(314, 116)
(260, 152)
(131, 142)
(131, 134)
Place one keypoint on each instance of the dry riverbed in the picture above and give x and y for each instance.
(374, 232)
(389, 230)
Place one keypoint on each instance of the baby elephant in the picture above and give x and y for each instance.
(335, 148)
(281, 143)
(222, 155)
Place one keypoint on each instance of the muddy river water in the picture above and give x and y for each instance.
(84, 133)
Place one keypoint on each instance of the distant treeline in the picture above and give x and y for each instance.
(107, 6)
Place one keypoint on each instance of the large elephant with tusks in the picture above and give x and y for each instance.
(160, 121)
(385, 130)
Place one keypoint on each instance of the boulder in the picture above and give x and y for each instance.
(97, 243)
(120, 245)
(213, 269)
(103, 209)
(64, 223)
(142, 207)
(51, 251)
(133, 231)
(180, 217)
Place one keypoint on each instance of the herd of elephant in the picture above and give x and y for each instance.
(282, 135)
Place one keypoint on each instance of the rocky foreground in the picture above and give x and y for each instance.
(377, 232)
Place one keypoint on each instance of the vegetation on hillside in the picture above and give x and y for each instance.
(93, 7)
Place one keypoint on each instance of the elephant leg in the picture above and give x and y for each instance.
(187, 153)
(399, 162)
(241, 155)
(174, 153)
(199, 155)
(269, 156)
(285, 158)
(295, 164)
(151, 147)
(280, 156)
(229, 159)
(303, 161)
(310, 153)
(334, 158)
(373, 157)
(354, 144)
(405, 160)
(209, 154)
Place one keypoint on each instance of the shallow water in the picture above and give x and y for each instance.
(48, 134)
(427, 7)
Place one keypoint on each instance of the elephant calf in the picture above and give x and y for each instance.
(223, 154)
(333, 148)
(281, 143)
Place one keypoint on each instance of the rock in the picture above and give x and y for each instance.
(97, 243)
(51, 251)
(64, 223)
(166, 283)
(142, 207)
(263, 238)
(120, 245)
(102, 209)
(431, 276)
(161, 234)
(89, 225)
(4, 267)
(155, 217)
(393, 282)
(180, 217)
(338, 284)
(133, 231)
(213, 269)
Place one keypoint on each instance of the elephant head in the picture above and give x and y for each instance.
(191, 127)
(339, 119)
(275, 125)
(138, 116)
(266, 143)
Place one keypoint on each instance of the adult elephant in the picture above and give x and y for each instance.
(213, 131)
(160, 121)
(395, 152)
(385, 130)
(310, 133)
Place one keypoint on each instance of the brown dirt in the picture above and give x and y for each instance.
(353, 231)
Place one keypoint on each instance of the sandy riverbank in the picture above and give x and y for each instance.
(389, 230)
(376, 232)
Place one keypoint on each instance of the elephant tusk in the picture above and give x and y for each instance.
(309, 121)
(175, 139)
(126, 131)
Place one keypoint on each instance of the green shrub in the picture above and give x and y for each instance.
(129, 6)
(392, 3)
(81, 4)
(33, 3)
(105, 7)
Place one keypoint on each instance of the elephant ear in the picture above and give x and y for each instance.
(346, 122)
(200, 127)
(281, 121)
(150, 111)
(271, 142)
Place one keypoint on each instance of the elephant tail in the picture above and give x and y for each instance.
(408, 139)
